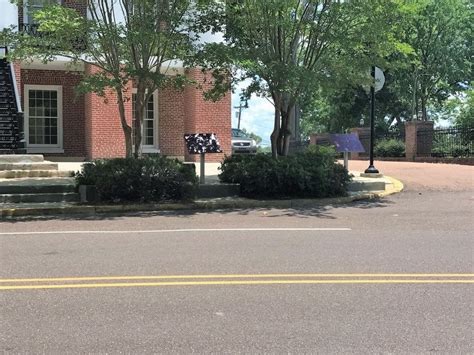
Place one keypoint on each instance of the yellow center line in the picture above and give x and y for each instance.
(226, 276)
(237, 282)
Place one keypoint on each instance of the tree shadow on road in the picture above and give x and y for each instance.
(305, 211)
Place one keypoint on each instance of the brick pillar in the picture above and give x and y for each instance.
(203, 116)
(363, 133)
(418, 139)
(410, 140)
(104, 136)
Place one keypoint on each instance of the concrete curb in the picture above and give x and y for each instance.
(200, 204)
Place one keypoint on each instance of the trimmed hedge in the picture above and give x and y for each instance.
(313, 173)
(146, 179)
(389, 148)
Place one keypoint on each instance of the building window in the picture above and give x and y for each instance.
(150, 122)
(32, 6)
(43, 110)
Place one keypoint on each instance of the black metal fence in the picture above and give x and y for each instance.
(446, 143)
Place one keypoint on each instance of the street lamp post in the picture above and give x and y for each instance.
(371, 169)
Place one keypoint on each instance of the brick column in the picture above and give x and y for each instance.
(104, 136)
(418, 139)
(203, 116)
(410, 140)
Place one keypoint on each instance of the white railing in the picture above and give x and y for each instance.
(15, 88)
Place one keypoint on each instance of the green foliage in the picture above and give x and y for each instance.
(465, 118)
(441, 34)
(313, 173)
(291, 47)
(393, 148)
(147, 179)
(432, 65)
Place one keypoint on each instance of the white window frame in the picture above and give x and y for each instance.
(44, 148)
(25, 11)
(155, 147)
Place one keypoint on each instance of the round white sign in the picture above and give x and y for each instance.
(379, 79)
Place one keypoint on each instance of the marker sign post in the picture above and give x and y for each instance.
(202, 144)
(346, 143)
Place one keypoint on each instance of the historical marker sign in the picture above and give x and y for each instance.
(346, 143)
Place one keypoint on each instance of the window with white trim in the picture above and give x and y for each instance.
(150, 122)
(43, 116)
(32, 6)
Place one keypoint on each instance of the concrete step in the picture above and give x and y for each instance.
(21, 158)
(15, 174)
(358, 184)
(39, 197)
(46, 165)
(37, 186)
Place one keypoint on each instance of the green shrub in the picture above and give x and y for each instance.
(393, 148)
(147, 179)
(313, 173)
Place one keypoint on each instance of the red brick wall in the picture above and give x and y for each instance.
(79, 5)
(103, 130)
(171, 117)
(73, 105)
(91, 124)
(206, 116)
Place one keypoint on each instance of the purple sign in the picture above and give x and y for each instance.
(346, 142)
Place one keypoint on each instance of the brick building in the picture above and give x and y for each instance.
(60, 123)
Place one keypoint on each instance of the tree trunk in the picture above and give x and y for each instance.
(424, 114)
(140, 106)
(276, 127)
(127, 130)
(275, 134)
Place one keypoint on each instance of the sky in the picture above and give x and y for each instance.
(258, 118)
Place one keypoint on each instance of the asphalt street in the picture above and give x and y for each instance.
(394, 275)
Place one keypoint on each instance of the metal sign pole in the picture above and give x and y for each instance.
(371, 169)
(202, 177)
(346, 160)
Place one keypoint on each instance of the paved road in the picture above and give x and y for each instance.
(424, 176)
(290, 286)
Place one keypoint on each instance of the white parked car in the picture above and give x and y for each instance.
(241, 143)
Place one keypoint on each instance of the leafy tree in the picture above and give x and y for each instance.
(466, 115)
(292, 47)
(127, 40)
(435, 66)
(440, 33)
(337, 109)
